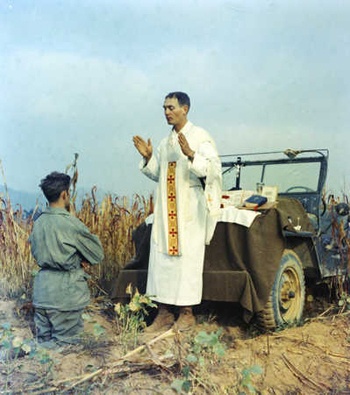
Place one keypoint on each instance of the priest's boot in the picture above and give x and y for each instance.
(163, 321)
(186, 320)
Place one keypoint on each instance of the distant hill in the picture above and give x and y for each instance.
(26, 200)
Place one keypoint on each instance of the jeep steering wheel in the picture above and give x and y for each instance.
(303, 189)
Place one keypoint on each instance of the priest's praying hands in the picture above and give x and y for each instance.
(144, 148)
(185, 147)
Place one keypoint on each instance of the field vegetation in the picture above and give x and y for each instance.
(113, 219)
(222, 355)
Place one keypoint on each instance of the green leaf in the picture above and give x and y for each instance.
(186, 386)
(43, 357)
(186, 371)
(191, 358)
(177, 385)
(201, 360)
(17, 342)
(256, 369)
(251, 388)
(6, 344)
(203, 338)
(26, 348)
(86, 317)
(98, 330)
(6, 326)
(219, 350)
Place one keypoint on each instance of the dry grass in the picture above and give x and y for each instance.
(16, 261)
(112, 220)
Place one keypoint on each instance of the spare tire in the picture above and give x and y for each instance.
(286, 301)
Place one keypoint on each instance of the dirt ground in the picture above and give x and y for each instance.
(311, 359)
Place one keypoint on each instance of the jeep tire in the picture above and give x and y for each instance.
(286, 301)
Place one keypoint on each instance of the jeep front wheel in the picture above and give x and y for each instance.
(286, 302)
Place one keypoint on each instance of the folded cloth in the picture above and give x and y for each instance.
(228, 214)
(237, 216)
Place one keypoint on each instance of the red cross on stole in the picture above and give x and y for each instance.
(173, 243)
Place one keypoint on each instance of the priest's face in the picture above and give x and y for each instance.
(175, 114)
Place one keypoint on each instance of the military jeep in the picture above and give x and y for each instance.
(261, 257)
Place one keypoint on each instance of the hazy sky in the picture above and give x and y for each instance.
(86, 75)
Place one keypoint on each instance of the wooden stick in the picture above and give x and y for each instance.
(162, 336)
(118, 362)
(309, 343)
(302, 377)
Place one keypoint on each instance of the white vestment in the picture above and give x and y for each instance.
(177, 280)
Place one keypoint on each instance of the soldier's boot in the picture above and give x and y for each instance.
(186, 320)
(163, 321)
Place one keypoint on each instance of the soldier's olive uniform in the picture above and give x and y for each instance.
(59, 243)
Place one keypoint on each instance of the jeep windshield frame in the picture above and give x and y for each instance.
(299, 174)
